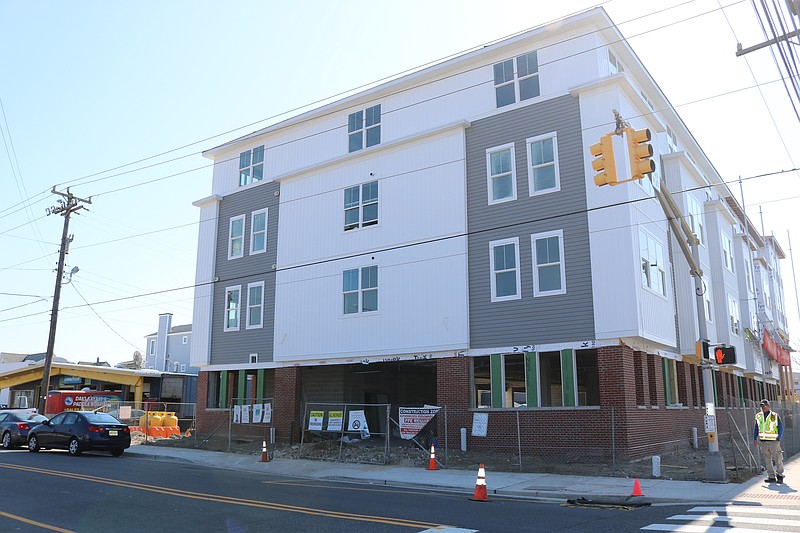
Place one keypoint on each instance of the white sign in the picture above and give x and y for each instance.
(356, 421)
(267, 413)
(711, 423)
(480, 423)
(257, 413)
(315, 419)
(413, 419)
(245, 414)
(237, 414)
(335, 420)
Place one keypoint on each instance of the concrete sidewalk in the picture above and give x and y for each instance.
(528, 485)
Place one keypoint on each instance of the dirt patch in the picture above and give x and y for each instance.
(685, 464)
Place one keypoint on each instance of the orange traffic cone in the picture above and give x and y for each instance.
(264, 454)
(432, 463)
(480, 487)
(637, 489)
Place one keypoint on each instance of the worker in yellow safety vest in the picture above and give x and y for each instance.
(767, 434)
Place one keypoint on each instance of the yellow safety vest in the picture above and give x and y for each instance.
(767, 429)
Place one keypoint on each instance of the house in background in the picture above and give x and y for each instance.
(167, 350)
(439, 239)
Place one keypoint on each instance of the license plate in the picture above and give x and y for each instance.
(113, 432)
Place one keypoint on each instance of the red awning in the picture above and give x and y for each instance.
(774, 350)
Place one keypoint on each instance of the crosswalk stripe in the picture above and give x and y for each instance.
(759, 520)
(704, 529)
(745, 509)
(447, 529)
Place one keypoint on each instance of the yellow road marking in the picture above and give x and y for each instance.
(35, 523)
(226, 499)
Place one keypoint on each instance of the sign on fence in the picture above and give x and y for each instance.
(413, 419)
(335, 420)
(480, 423)
(258, 413)
(315, 419)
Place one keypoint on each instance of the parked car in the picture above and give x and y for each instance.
(79, 431)
(14, 427)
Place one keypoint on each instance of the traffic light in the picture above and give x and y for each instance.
(639, 152)
(725, 355)
(604, 161)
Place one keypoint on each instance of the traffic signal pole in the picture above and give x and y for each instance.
(715, 463)
(66, 208)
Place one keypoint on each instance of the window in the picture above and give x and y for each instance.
(360, 288)
(251, 166)
(550, 386)
(749, 274)
(696, 218)
(614, 65)
(504, 261)
(548, 263)
(258, 232)
(733, 315)
(232, 299)
(543, 164)
(185, 339)
(653, 273)
(255, 305)
(482, 381)
(501, 173)
(152, 347)
(364, 126)
(514, 377)
(588, 378)
(672, 140)
(526, 83)
(707, 299)
(183, 367)
(727, 252)
(236, 237)
(361, 206)
(670, 381)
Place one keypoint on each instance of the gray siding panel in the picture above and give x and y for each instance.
(549, 319)
(235, 347)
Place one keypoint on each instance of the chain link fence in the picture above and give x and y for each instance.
(347, 432)
(155, 420)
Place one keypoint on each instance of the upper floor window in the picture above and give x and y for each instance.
(185, 339)
(614, 64)
(548, 263)
(361, 205)
(152, 347)
(360, 290)
(504, 266)
(733, 315)
(501, 173)
(696, 218)
(707, 299)
(749, 275)
(251, 166)
(672, 140)
(255, 305)
(233, 297)
(653, 271)
(236, 237)
(524, 86)
(727, 252)
(258, 232)
(543, 164)
(364, 128)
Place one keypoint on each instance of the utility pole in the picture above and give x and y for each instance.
(65, 207)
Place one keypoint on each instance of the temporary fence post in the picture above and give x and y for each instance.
(613, 445)
(445, 436)
(519, 443)
(230, 423)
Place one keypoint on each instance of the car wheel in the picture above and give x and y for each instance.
(6, 440)
(74, 447)
(116, 452)
(33, 443)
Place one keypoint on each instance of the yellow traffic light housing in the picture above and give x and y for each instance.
(604, 163)
(640, 152)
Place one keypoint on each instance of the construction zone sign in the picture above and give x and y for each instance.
(413, 419)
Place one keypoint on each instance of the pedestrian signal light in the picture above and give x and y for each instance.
(640, 152)
(725, 355)
(603, 163)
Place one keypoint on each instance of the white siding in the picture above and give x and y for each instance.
(200, 351)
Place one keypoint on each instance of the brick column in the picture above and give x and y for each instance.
(642, 380)
(287, 416)
(684, 383)
(616, 373)
(453, 391)
(656, 375)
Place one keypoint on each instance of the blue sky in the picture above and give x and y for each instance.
(91, 86)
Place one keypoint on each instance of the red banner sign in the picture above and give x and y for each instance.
(774, 350)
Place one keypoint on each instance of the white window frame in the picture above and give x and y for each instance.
(516, 78)
(251, 307)
(660, 266)
(152, 350)
(707, 300)
(727, 253)
(360, 206)
(355, 126)
(614, 64)
(490, 177)
(254, 233)
(228, 308)
(562, 267)
(252, 166)
(531, 168)
(232, 238)
(734, 319)
(360, 290)
(696, 218)
(185, 339)
(493, 273)
(183, 368)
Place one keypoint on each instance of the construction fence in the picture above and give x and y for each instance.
(155, 420)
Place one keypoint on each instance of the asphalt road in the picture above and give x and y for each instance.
(51, 491)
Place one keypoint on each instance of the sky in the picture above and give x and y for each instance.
(117, 100)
